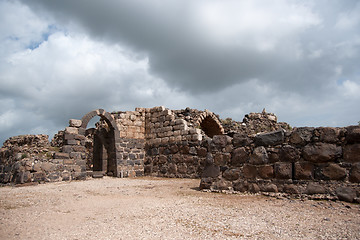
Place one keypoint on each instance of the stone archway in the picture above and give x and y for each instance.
(210, 124)
(105, 155)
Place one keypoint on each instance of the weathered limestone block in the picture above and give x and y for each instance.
(353, 134)
(196, 137)
(71, 130)
(76, 155)
(283, 170)
(61, 155)
(304, 170)
(259, 156)
(75, 123)
(352, 153)
(221, 140)
(71, 142)
(48, 167)
(269, 139)
(301, 136)
(321, 152)
(289, 153)
(266, 171)
(239, 156)
(355, 173)
(334, 172)
(231, 174)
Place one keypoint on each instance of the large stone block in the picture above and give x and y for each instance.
(211, 171)
(61, 155)
(231, 174)
(75, 123)
(71, 130)
(355, 173)
(221, 140)
(345, 194)
(289, 153)
(301, 136)
(291, 188)
(241, 186)
(239, 156)
(321, 152)
(283, 170)
(353, 134)
(274, 154)
(315, 188)
(334, 172)
(266, 171)
(221, 159)
(249, 171)
(240, 140)
(352, 153)
(328, 134)
(269, 188)
(304, 170)
(48, 167)
(269, 139)
(259, 156)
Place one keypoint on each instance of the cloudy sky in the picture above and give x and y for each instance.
(62, 59)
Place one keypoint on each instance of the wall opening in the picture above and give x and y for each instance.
(103, 155)
(210, 127)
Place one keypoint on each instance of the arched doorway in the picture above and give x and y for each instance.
(105, 138)
(210, 124)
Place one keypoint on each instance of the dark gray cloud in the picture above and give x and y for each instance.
(61, 59)
(206, 45)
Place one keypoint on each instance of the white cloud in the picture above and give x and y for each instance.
(61, 59)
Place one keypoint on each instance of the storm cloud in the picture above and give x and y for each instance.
(61, 59)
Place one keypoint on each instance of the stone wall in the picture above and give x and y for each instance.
(131, 124)
(256, 155)
(302, 161)
(30, 158)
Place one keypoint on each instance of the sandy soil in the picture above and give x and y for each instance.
(151, 208)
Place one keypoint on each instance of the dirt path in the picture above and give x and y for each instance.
(148, 208)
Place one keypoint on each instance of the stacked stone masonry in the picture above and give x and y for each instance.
(256, 155)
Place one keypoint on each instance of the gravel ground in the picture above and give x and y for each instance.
(157, 208)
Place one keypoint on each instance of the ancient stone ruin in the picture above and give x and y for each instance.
(258, 154)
